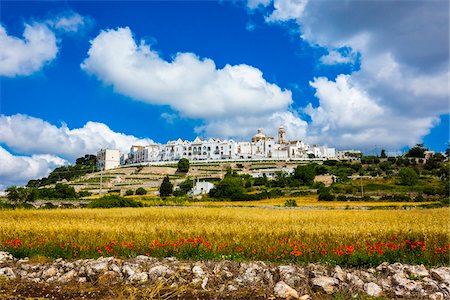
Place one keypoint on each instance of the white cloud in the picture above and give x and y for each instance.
(17, 170)
(17, 131)
(252, 4)
(39, 45)
(286, 10)
(401, 88)
(192, 86)
(68, 21)
(28, 55)
(337, 57)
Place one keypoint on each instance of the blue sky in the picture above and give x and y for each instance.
(107, 74)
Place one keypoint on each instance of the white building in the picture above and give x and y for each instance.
(108, 159)
(348, 155)
(201, 188)
(260, 147)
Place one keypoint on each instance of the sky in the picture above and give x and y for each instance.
(77, 76)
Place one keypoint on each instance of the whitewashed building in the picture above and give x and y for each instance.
(201, 188)
(260, 147)
(108, 159)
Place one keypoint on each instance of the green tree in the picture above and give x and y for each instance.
(229, 188)
(383, 154)
(408, 176)
(21, 195)
(417, 151)
(141, 191)
(166, 187)
(186, 186)
(129, 193)
(183, 165)
(305, 174)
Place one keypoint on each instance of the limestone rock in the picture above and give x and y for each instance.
(7, 272)
(99, 267)
(50, 272)
(437, 296)
(372, 289)
(109, 277)
(324, 284)
(139, 277)
(158, 271)
(417, 271)
(442, 274)
(355, 281)
(67, 277)
(198, 272)
(283, 290)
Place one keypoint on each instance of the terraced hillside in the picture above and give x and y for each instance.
(150, 177)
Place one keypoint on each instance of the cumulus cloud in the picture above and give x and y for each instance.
(28, 55)
(17, 170)
(192, 86)
(335, 57)
(69, 21)
(401, 87)
(18, 130)
(37, 47)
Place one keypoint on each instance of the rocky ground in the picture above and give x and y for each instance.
(146, 278)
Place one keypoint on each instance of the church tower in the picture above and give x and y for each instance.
(281, 135)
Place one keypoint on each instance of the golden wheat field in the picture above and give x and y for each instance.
(251, 233)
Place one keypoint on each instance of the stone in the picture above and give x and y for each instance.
(305, 297)
(366, 276)
(139, 277)
(109, 277)
(68, 277)
(324, 284)
(355, 281)
(282, 290)
(50, 272)
(249, 277)
(204, 283)
(396, 268)
(198, 271)
(339, 274)
(99, 267)
(442, 274)
(5, 256)
(115, 268)
(127, 270)
(81, 279)
(232, 288)
(417, 271)
(158, 271)
(372, 289)
(7, 272)
(437, 296)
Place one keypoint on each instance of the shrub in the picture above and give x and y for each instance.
(290, 203)
(183, 165)
(141, 191)
(325, 194)
(84, 193)
(166, 187)
(111, 201)
(408, 176)
(129, 193)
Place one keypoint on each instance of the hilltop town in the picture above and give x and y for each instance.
(261, 147)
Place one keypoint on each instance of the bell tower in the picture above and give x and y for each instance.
(281, 135)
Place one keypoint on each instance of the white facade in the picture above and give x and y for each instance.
(260, 147)
(201, 188)
(108, 159)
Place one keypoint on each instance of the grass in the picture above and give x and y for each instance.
(357, 238)
(305, 201)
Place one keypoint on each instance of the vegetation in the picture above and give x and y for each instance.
(408, 176)
(183, 165)
(60, 191)
(290, 203)
(352, 238)
(83, 165)
(166, 187)
(141, 191)
(111, 201)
